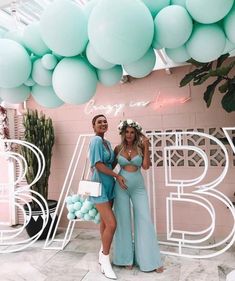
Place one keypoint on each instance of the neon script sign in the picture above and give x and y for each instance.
(117, 108)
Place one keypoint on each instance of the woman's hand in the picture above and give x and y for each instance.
(121, 180)
(145, 140)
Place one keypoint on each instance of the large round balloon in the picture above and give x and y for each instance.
(156, 5)
(110, 77)
(172, 26)
(15, 95)
(179, 54)
(95, 59)
(206, 43)
(45, 96)
(15, 64)
(209, 11)
(74, 80)
(15, 35)
(179, 2)
(41, 75)
(64, 28)
(143, 66)
(121, 31)
(2, 32)
(229, 25)
(33, 41)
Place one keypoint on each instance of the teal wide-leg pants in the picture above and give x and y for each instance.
(145, 250)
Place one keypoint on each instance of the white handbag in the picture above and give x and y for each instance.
(89, 187)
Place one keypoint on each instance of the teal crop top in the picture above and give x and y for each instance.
(135, 161)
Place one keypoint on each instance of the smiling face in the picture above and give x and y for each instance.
(100, 125)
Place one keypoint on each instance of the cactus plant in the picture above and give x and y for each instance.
(38, 131)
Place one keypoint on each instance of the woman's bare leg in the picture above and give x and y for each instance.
(109, 225)
(102, 224)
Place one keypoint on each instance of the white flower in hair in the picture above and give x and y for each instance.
(129, 121)
(120, 125)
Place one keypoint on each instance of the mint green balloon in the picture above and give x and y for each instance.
(33, 41)
(110, 77)
(15, 95)
(15, 35)
(79, 214)
(97, 218)
(88, 204)
(59, 57)
(77, 206)
(92, 212)
(143, 66)
(179, 54)
(2, 32)
(74, 80)
(30, 82)
(229, 25)
(71, 216)
(49, 61)
(155, 44)
(120, 31)
(87, 217)
(172, 26)
(208, 11)
(41, 75)
(84, 210)
(179, 2)
(206, 43)
(155, 6)
(89, 7)
(15, 64)
(63, 28)
(95, 59)
(229, 46)
(45, 96)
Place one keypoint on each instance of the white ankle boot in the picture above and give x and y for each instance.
(100, 252)
(106, 267)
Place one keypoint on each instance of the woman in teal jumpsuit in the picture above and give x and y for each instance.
(131, 155)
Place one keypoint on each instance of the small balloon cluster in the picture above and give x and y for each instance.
(81, 208)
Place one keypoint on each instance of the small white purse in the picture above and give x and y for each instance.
(89, 187)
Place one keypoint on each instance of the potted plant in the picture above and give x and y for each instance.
(38, 131)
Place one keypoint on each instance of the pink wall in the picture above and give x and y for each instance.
(167, 113)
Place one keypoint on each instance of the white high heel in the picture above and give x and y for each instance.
(106, 267)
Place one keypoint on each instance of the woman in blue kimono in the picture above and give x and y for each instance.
(101, 158)
(132, 155)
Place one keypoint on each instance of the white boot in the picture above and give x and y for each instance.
(100, 252)
(106, 267)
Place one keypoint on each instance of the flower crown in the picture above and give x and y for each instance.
(129, 123)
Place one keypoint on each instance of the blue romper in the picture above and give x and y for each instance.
(145, 249)
(100, 153)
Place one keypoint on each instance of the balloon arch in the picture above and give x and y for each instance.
(63, 57)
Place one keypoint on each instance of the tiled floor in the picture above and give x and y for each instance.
(78, 261)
